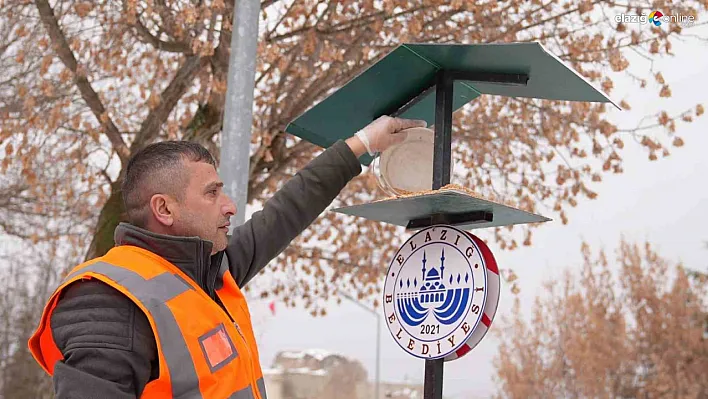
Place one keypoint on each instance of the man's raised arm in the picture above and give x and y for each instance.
(305, 196)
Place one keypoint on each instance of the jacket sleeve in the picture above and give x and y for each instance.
(290, 211)
(108, 346)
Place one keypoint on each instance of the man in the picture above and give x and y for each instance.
(161, 315)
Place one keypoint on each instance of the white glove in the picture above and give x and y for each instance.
(384, 132)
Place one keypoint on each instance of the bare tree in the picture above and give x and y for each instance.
(29, 278)
(630, 329)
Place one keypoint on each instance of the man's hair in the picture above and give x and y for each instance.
(158, 169)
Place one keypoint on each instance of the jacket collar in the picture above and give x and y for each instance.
(192, 255)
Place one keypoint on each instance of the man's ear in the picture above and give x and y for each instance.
(162, 209)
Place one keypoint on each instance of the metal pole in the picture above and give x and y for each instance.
(238, 112)
(442, 157)
(378, 340)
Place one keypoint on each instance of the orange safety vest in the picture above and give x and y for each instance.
(204, 352)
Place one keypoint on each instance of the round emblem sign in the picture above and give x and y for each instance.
(435, 292)
(490, 307)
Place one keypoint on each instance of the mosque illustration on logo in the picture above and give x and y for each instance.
(447, 302)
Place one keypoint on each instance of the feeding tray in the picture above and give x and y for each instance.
(430, 82)
(452, 206)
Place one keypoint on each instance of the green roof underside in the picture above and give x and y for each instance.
(400, 211)
(410, 69)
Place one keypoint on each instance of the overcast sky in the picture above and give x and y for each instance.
(664, 202)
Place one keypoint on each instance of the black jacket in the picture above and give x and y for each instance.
(108, 346)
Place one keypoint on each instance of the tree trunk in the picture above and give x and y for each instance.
(113, 212)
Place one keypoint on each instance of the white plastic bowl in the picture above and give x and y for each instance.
(407, 167)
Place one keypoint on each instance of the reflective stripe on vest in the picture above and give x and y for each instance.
(223, 268)
(247, 393)
(153, 294)
(261, 388)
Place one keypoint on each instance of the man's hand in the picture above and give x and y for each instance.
(381, 134)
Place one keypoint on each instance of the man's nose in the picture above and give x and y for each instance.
(229, 207)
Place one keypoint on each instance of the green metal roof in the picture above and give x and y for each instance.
(410, 69)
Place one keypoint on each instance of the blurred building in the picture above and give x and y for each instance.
(317, 374)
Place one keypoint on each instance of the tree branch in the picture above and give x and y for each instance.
(174, 47)
(280, 20)
(255, 189)
(168, 100)
(89, 95)
(168, 20)
(267, 3)
(519, 28)
(347, 25)
(16, 106)
(220, 59)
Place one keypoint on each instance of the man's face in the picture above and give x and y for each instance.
(205, 209)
